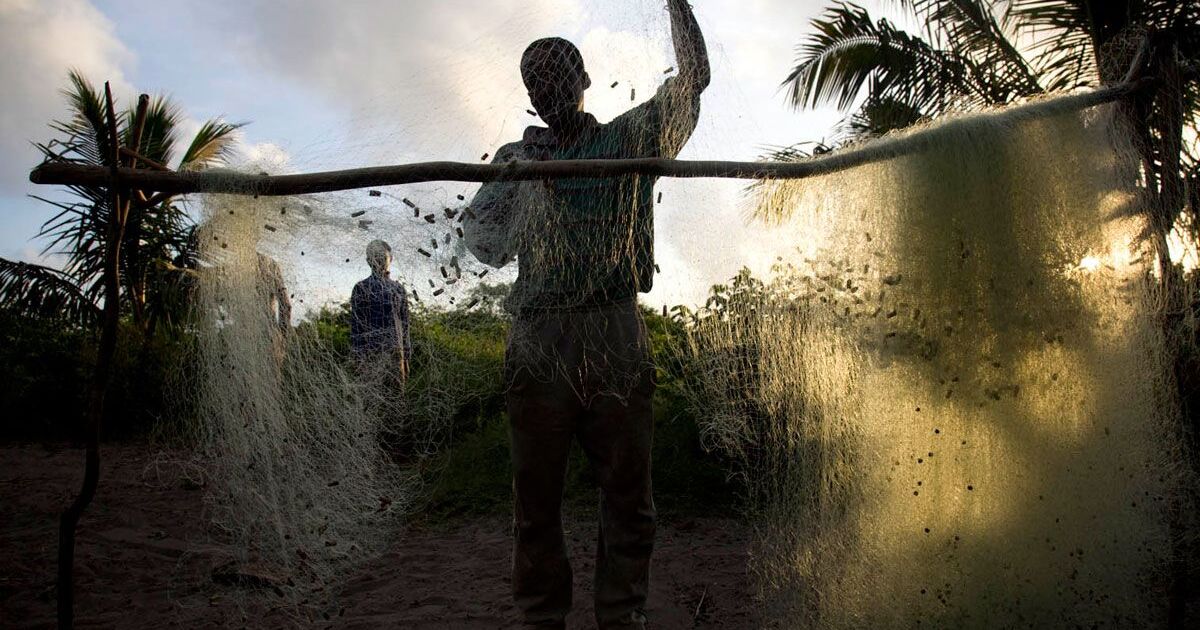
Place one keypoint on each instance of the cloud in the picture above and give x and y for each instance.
(262, 156)
(39, 41)
(440, 81)
(410, 77)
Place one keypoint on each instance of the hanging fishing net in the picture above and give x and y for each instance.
(950, 397)
(939, 372)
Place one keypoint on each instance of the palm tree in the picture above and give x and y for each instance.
(968, 57)
(115, 241)
(158, 235)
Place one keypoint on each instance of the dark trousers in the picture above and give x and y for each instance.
(586, 376)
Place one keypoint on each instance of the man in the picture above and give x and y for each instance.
(577, 364)
(379, 315)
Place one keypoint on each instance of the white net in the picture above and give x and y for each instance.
(951, 397)
(948, 396)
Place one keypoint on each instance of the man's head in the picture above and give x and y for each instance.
(552, 69)
(379, 256)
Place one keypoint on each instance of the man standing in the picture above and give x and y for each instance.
(577, 364)
(379, 315)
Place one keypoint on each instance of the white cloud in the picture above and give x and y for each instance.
(411, 78)
(436, 81)
(39, 41)
(262, 156)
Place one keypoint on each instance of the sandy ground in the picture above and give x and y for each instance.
(137, 569)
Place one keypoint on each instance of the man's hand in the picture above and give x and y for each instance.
(690, 51)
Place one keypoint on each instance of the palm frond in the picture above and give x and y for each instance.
(160, 131)
(973, 29)
(87, 129)
(879, 115)
(795, 152)
(1067, 37)
(37, 291)
(850, 49)
(212, 145)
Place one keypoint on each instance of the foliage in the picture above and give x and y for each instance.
(158, 241)
(41, 292)
(968, 57)
(46, 363)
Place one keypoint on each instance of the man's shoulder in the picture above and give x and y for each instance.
(514, 150)
(368, 285)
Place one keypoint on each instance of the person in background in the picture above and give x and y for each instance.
(379, 314)
(577, 364)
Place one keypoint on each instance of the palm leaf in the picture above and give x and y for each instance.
(159, 132)
(879, 115)
(37, 291)
(212, 145)
(849, 50)
(87, 128)
(973, 29)
(1088, 42)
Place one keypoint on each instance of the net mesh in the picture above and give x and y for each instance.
(947, 392)
(950, 401)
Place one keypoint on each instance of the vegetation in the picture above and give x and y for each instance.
(158, 239)
(979, 53)
(43, 360)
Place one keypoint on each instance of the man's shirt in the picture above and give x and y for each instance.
(379, 317)
(581, 243)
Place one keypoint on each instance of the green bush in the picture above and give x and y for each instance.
(474, 472)
(46, 366)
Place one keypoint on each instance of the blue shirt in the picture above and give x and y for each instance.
(379, 317)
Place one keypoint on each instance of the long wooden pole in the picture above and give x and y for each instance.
(60, 173)
(101, 377)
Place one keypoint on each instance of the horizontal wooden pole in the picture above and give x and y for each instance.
(215, 181)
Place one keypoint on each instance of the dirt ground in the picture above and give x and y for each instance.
(136, 566)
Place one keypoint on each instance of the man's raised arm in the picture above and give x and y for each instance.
(690, 51)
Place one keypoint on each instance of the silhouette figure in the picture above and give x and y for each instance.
(577, 364)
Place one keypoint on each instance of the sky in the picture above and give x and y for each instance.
(328, 84)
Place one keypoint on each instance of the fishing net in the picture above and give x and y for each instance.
(314, 454)
(940, 372)
(950, 396)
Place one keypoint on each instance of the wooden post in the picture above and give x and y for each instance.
(101, 377)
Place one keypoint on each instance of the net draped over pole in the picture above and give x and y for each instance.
(953, 360)
(278, 185)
